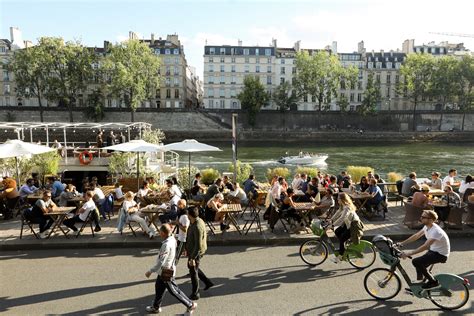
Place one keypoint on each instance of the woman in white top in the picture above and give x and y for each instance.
(132, 209)
(466, 184)
(144, 190)
(239, 193)
(343, 219)
(118, 192)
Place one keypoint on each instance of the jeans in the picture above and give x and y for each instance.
(44, 221)
(422, 263)
(169, 216)
(172, 287)
(343, 234)
(196, 275)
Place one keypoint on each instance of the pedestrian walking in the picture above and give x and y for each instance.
(196, 246)
(165, 268)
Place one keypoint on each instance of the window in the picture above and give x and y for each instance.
(247, 60)
(168, 93)
(359, 85)
(282, 61)
(176, 82)
(158, 94)
(293, 70)
(176, 71)
(6, 76)
(222, 92)
(352, 108)
(176, 51)
(222, 68)
(389, 78)
(397, 65)
(269, 79)
(168, 82)
(343, 85)
(211, 68)
(370, 65)
(282, 70)
(269, 68)
(305, 98)
(246, 51)
(109, 103)
(235, 105)
(168, 70)
(232, 69)
(157, 51)
(176, 93)
(388, 92)
(313, 98)
(7, 101)
(232, 59)
(222, 60)
(352, 97)
(211, 79)
(378, 65)
(282, 80)
(176, 60)
(352, 85)
(211, 59)
(233, 80)
(268, 52)
(167, 51)
(257, 60)
(222, 50)
(210, 92)
(246, 68)
(257, 51)
(257, 68)
(222, 104)
(389, 65)
(359, 97)
(377, 78)
(233, 93)
(222, 80)
(397, 78)
(212, 51)
(3, 49)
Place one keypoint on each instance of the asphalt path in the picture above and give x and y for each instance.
(249, 281)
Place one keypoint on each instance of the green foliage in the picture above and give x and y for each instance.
(284, 97)
(280, 172)
(319, 75)
(134, 73)
(153, 136)
(25, 167)
(371, 96)
(253, 97)
(311, 172)
(183, 175)
(243, 171)
(47, 163)
(125, 164)
(95, 109)
(394, 177)
(342, 103)
(357, 172)
(209, 176)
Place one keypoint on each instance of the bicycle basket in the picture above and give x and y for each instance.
(317, 227)
(385, 247)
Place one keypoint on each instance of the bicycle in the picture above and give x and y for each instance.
(384, 284)
(315, 251)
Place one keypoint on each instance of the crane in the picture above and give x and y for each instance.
(453, 34)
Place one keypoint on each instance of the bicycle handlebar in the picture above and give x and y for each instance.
(398, 252)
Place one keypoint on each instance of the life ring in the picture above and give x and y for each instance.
(82, 157)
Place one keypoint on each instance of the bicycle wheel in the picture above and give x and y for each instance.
(455, 296)
(313, 252)
(382, 284)
(365, 260)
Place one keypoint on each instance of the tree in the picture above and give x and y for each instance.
(319, 75)
(465, 81)
(72, 69)
(31, 68)
(133, 69)
(444, 85)
(371, 96)
(343, 103)
(417, 72)
(95, 109)
(253, 97)
(284, 97)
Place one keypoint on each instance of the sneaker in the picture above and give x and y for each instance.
(336, 259)
(43, 235)
(153, 309)
(97, 229)
(151, 234)
(430, 285)
(190, 310)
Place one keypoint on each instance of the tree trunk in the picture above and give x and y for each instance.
(71, 118)
(463, 117)
(441, 121)
(40, 108)
(414, 115)
(132, 115)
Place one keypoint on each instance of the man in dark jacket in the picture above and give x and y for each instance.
(196, 246)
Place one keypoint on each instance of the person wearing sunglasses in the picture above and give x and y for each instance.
(39, 213)
(438, 246)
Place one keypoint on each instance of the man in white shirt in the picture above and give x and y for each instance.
(175, 194)
(276, 189)
(449, 179)
(183, 223)
(83, 213)
(99, 199)
(437, 244)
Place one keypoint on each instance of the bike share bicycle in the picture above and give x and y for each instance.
(315, 251)
(384, 284)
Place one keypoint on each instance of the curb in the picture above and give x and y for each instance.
(213, 242)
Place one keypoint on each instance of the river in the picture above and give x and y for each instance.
(423, 158)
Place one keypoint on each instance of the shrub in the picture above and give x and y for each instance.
(357, 172)
(183, 176)
(394, 177)
(47, 163)
(311, 172)
(209, 176)
(281, 172)
(243, 171)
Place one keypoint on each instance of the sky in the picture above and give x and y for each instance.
(381, 24)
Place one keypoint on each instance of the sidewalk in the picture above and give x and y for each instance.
(109, 237)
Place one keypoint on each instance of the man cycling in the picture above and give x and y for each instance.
(437, 244)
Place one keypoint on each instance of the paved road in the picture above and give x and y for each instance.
(249, 281)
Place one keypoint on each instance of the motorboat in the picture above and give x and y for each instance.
(303, 159)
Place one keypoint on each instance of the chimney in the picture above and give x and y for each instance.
(16, 38)
(173, 39)
(361, 47)
(274, 42)
(132, 35)
(381, 52)
(152, 41)
(391, 53)
(297, 45)
(334, 47)
(239, 42)
(106, 45)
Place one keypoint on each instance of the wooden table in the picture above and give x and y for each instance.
(230, 210)
(304, 209)
(439, 203)
(436, 192)
(59, 214)
(360, 199)
(34, 197)
(153, 212)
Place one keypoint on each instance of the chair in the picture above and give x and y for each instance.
(454, 219)
(470, 215)
(206, 217)
(252, 217)
(412, 216)
(276, 215)
(27, 222)
(123, 216)
(88, 221)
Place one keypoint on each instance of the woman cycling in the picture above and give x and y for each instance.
(345, 215)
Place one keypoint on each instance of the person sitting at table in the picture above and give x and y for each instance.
(8, 197)
(239, 193)
(341, 177)
(420, 199)
(68, 194)
(342, 219)
(214, 209)
(313, 189)
(57, 187)
(452, 200)
(27, 189)
(83, 213)
(250, 186)
(363, 184)
(347, 182)
(39, 213)
(144, 190)
(99, 199)
(436, 182)
(227, 184)
(468, 183)
(296, 183)
(118, 194)
(333, 184)
(369, 175)
(303, 187)
(36, 181)
(212, 190)
(130, 212)
(288, 210)
(198, 188)
(152, 184)
(376, 195)
(450, 178)
(410, 185)
(326, 202)
(95, 181)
